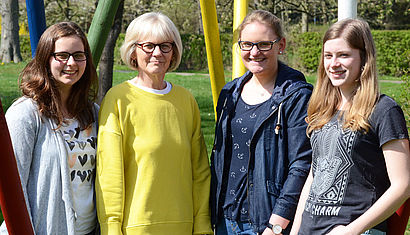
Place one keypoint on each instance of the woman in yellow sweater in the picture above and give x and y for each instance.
(152, 168)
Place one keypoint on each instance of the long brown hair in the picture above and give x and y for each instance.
(325, 97)
(37, 83)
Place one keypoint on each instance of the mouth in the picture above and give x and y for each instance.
(69, 72)
(338, 72)
(256, 59)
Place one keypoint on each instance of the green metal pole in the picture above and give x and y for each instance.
(100, 27)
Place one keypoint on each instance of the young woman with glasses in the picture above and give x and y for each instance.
(153, 174)
(53, 129)
(261, 155)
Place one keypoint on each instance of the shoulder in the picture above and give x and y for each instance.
(22, 108)
(182, 92)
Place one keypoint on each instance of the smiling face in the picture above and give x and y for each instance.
(67, 73)
(342, 64)
(155, 63)
(261, 63)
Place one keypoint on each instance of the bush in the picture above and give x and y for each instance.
(393, 51)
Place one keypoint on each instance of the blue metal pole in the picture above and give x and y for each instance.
(36, 22)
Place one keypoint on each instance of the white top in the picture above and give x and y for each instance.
(164, 91)
(81, 149)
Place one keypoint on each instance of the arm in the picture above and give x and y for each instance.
(397, 157)
(298, 152)
(301, 205)
(201, 177)
(109, 184)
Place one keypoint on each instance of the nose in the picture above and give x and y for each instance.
(335, 62)
(71, 60)
(254, 50)
(157, 51)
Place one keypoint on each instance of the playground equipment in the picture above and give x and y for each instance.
(12, 200)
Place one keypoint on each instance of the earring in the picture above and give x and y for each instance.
(280, 52)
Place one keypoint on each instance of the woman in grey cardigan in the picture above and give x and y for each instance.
(53, 129)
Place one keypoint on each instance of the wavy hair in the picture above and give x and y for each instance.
(37, 82)
(326, 98)
(149, 26)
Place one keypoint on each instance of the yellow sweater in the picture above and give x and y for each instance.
(153, 174)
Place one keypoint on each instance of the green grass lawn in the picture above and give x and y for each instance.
(197, 83)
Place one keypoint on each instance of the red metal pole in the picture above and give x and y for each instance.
(398, 221)
(13, 205)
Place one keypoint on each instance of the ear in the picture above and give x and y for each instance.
(282, 45)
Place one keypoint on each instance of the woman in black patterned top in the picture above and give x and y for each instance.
(360, 171)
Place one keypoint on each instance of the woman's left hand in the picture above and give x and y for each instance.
(340, 230)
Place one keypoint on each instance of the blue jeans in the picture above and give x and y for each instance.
(231, 227)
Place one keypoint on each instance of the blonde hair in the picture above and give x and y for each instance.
(325, 97)
(149, 26)
(264, 17)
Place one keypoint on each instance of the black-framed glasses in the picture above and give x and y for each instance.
(63, 56)
(262, 45)
(149, 47)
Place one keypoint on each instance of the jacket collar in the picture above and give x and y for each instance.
(288, 81)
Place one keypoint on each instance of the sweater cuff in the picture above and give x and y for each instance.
(202, 225)
(111, 229)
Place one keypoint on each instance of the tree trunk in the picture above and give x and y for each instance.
(107, 57)
(10, 43)
(305, 25)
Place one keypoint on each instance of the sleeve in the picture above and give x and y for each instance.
(299, 154)
(201, 177)
(23, 123)
(109, 185)
(388, 121)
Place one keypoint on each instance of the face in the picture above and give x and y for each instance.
(67, 73)
(342, 64)
(261, 63)
(155, 62)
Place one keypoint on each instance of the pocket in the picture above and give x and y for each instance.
(273, 188)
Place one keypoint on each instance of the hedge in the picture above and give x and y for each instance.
(303, 51)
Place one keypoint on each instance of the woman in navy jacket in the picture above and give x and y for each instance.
(261, 155)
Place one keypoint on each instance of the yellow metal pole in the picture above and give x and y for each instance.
(213, 48)
(240, 9)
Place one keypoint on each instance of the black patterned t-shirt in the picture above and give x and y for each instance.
(349, 170)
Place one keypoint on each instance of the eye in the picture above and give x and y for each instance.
(165, 46)
(79, 56)
(62, 56)
(328, 56)
(264, 44)
(149, 46)
(246, 44)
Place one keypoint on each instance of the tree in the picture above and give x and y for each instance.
(10, 43)
(106, 64)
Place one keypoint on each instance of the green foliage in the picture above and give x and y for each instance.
(393, 51)
(405, 96)
(305, 51)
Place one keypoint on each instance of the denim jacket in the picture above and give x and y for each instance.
(280, 152)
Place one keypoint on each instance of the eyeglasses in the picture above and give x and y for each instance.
(262, 45)
(149, 47)
(65, 56)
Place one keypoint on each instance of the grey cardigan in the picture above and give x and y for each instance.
(41, 157)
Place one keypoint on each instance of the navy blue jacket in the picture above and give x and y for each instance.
(279, 161)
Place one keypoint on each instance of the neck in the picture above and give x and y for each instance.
(64, 94)
(154, 81)
(266, 83)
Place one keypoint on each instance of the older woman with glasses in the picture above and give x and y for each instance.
(153, 174)
(53, 129)
(261, 155)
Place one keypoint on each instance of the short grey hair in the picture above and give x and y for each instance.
(149, 26)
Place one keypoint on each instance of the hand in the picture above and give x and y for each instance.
(340, 230)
